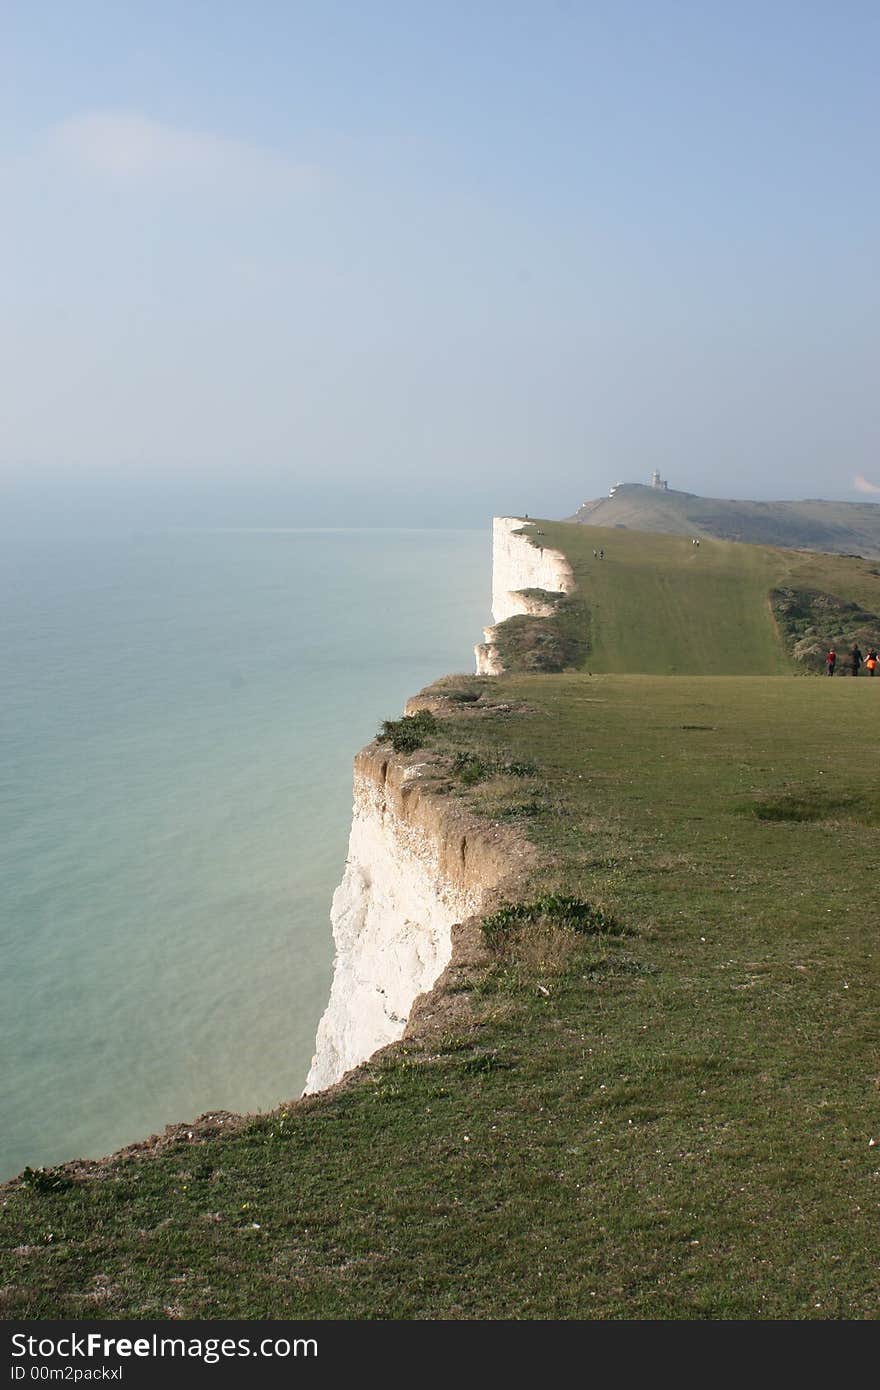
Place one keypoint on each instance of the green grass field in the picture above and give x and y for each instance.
(672, 1122)
(659, 605)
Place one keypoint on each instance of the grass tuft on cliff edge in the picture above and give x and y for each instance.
(676, 1119)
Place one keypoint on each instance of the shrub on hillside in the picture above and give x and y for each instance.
(811, 621)
(408, 733)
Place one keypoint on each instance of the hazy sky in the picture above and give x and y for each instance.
(421, 262)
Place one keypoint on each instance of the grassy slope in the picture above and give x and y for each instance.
(675, 1123)
(660, 605)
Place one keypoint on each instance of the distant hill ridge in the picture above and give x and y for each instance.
(842, 528)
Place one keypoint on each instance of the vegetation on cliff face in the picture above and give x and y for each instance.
(557, 642)
(671, 1119)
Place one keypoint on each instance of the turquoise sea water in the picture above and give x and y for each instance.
(178, 715)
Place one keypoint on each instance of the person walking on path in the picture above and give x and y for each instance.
(855, 657)
(871, 661)
(831, 661)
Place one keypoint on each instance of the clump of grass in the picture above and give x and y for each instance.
(471, 768)
(610, 964)
(46, 1180)
(515, 809)
(485, 1062)
(557, 909)
(409, 733)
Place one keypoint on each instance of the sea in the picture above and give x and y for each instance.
(179, 710)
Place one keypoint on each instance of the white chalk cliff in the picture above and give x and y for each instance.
(417, 865)
(519, 563)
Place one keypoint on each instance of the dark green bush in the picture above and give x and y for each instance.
(46, 1180)
(409, 733)
(811, 621)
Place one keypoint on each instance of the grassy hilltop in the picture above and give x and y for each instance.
(653, 1094)
(814, 524)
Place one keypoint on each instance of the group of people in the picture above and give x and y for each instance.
(856, 660)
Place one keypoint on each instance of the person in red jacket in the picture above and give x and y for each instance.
(831, 661)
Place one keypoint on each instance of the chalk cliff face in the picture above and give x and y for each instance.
(519, 563)
(417, 865)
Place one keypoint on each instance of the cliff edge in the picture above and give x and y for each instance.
(418, 866)
(528, 578)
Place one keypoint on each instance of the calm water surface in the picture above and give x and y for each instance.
(178, 715)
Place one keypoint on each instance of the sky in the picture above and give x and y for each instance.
(419, 263)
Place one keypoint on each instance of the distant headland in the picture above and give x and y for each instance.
(843, 528)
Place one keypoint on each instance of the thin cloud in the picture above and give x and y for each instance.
(127, 146)
(862, 484)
